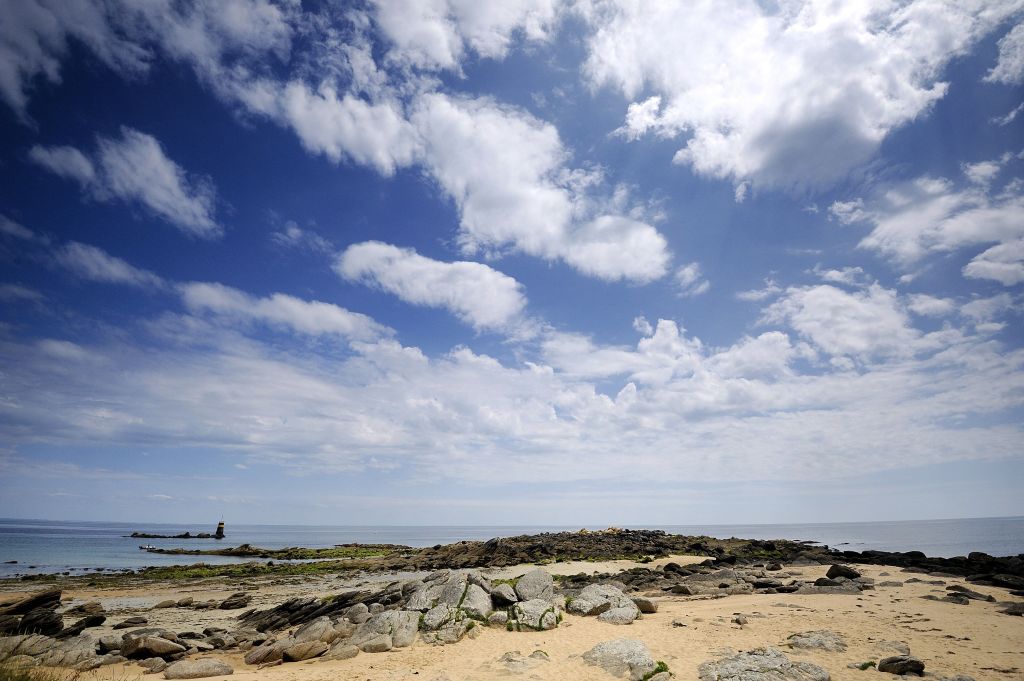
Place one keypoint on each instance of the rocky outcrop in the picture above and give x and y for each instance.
(607, 602)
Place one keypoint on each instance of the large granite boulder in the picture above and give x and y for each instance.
(320, 629)
(598, 599)
(535, 584)
(386, 630)
(534, 615)
(150, 646)
(622, 657)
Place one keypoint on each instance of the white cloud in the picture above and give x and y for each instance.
(984, 310)
(930, 306)
(983, 172)
(505, 171)
(914, 219)
(293, 236)
(475, 293)
(1003, 263)
(697, 413)
(373, 134)
(95, 264)
(1009, 70)
(16, 230)
(848, 276)
(436, 34)
(863, 325)
(1010, 117)
(135, 168)
(312, 318)
(67, 162)
(688, 278)
(16, 293)
(792, 96)
(771, 288)
(213, 37)
(848, 212)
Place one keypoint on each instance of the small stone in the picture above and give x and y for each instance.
(646, 605)
(170, 603)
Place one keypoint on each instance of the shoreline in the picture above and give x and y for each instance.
(686, 608)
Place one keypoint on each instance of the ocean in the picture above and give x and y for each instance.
(44, 546)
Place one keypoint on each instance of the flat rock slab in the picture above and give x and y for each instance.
(760, 664)
(197, 669)
(818, 640)
(622, 657)
(305, 651)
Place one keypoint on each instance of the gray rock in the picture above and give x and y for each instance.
(535, 584)
(438, 616)
(109, 643)
(236, 601)
(320, 629)
(841, 571)
(170, 603)
(41, 621)
(423, 598)
(622, 657)
(818, 640)
(534, 615)
(476, 602)
(25, 644)
(901, 664)
(268, 652)
(197, 669)
(598, 599)
(86, 609)
(131, 622)
(760, 664)
(647, 606)
(150, 646)
(504, 594)
(306, 650)
(341, 650)
(153, 665)
(1014, 609)
(150, 631)
(185, 602)
(397, 626)
(619, 615)
(498, 618)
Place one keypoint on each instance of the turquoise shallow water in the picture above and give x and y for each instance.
(75, 547)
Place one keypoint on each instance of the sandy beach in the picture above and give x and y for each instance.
(975, 640)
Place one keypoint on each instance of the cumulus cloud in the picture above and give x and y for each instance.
(95, 264)
(848, 276)
(1003, 263)
(692, 409)
(770, 289)
(311, 318)
(793, 97)
(436, 34)
(930, 306)
(135, 168)
(505, 171)
(862, 325)
(1009, 69)
(914, 219)
(475, 293)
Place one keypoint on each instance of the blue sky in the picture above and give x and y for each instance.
(527, 262)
